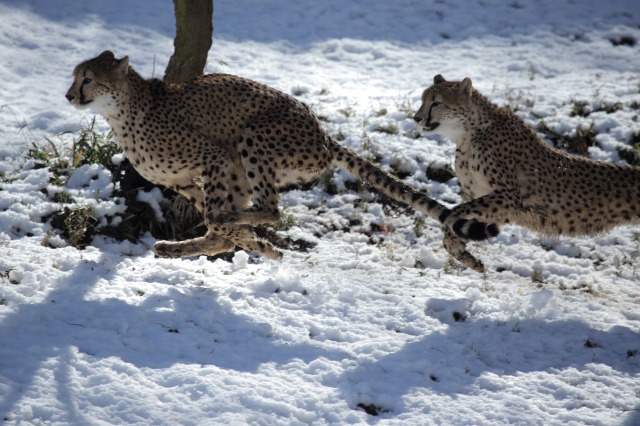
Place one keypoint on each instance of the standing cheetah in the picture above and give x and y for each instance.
(227, 144)
(512, 175)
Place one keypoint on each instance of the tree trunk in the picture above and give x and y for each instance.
(194, 31)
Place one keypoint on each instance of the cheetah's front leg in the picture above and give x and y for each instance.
(496, 207)
(456, 246)
(213, 194)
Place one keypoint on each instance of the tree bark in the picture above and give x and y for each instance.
(194, 32)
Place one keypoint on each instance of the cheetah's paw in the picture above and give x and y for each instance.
(167, 249)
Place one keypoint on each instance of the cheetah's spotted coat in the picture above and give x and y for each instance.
(227, 144)
(514, 176)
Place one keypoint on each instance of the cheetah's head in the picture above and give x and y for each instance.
(96, 81)
(442, 105)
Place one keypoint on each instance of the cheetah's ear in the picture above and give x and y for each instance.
(107, 54)
(465, 87)
(438, 79)
(122, 65)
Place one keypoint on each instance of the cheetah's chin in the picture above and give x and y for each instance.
(431, 126)
(81, 105)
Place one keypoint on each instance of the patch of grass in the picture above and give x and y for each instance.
(347, 112)
(326, 178)
(44, 155)
(405, 106)
(91, 147)
(610, 108)
(400, 167)
(626, 40)
(372, 409)
(459, 317)
(285, 222)
(536, 277)
(375, 157)
(580, 108)
(532, 76)
(585, 108)
(440, 174)
(328, 181)
(453, 267)
(591, 344)
(390, 128)
(577, 143)
(381, 112)
(49, 156)
(78, 223)
(542, 127)
(298, 91)
(366, 141)
(61, 197)
(515, 99)
(418, 226)
(630, 154)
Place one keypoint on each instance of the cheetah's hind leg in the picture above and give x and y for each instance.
(250, 216)
(213, 244)
(245, 237)
(456, 246)
(209, 245)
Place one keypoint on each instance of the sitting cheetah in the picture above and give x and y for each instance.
(227, 144)
(512, 175)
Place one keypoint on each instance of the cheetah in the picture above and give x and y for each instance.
(228, 144)
(512, 175)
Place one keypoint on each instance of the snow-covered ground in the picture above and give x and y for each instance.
(373, 325)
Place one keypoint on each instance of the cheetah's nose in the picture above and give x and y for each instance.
(416, 118)
(69, 95)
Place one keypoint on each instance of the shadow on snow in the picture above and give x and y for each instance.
(452, 362)
(163, 330)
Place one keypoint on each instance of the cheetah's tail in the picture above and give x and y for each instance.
(468, 229)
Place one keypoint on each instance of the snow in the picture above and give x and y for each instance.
(367, 320)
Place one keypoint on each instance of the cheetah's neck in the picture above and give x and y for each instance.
(132, 103)
(476, 119)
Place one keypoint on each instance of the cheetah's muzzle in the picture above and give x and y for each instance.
(431, 126)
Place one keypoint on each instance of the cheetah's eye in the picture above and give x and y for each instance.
(435, 104)
(86, 80)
